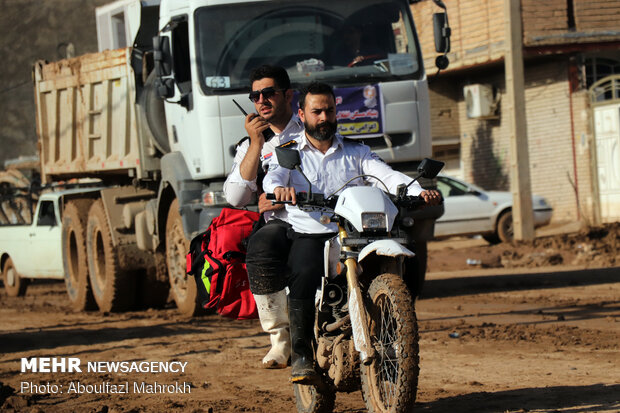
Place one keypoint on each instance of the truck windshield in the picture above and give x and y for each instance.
(336, 41)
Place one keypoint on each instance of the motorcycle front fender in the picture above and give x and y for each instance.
(385, 247)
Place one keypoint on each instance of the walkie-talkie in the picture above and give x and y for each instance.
(267, 133)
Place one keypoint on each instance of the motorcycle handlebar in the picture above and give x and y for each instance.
(408, 201)
(302, 199)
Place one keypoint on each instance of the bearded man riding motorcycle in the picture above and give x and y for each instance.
(329, 161)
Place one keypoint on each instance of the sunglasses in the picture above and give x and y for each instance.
(267, 93)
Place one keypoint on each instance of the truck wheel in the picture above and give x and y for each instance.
(14, 285)
(182, 287)
(113, 288)
(74, 257)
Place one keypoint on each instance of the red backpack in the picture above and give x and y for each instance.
(216, 259)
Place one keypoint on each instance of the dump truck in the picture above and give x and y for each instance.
(151, 119)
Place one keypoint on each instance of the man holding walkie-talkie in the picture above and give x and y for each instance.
(272, 125)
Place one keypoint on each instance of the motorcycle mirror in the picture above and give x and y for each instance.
(429, 168)
(288, 158)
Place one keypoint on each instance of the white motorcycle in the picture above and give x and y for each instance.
(365, 327)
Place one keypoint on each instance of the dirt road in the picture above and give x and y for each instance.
(517, 337)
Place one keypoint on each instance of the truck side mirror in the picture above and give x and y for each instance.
(163, 67)
(162, 56)
(442, 32)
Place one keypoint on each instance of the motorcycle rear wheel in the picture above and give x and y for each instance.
(390, 382)
(314, 399)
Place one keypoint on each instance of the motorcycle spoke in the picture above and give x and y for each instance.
(387, 352)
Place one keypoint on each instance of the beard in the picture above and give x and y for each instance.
(322, 131)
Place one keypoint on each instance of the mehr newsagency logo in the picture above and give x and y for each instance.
(54, 365)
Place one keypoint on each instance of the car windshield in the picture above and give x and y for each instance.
(336, 41)
(449, 187)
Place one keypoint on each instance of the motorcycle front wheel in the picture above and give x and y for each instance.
(390, 382)
(314, 399)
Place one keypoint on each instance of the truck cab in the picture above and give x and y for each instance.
(367, 49)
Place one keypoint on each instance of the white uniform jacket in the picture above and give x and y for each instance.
(238, 191)
(327, 172)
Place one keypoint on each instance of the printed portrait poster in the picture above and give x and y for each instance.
(359, 111)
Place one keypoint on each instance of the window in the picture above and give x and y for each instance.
(449, 187)
(598, 68)
(47, 216)
(118, 30)
(338, 42)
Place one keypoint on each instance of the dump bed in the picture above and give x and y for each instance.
(87, 117)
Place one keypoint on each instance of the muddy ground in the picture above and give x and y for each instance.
(533, 327)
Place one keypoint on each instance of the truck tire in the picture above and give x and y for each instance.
(113, 288)
(74, 256)
(14, 285)
(182, 287)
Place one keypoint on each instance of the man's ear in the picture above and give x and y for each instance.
(288, 95)
(301, 115)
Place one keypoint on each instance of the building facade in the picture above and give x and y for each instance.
(573, 122)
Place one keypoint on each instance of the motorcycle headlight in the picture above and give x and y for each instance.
(374, 221)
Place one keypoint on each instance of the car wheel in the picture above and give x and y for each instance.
(14, 285)
(505, 231)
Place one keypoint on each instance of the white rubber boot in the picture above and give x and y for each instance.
(273, 314)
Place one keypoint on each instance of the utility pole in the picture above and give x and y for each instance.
(520, 186)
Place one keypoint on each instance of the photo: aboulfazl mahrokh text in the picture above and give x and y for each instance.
(105, 387)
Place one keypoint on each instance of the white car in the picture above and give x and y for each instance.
(470, 210)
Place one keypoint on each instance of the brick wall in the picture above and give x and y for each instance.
(550, 138)
(543, 18)
(551, 22)
(477, 31)
(478, 27)
(597, 15)
(444, 109)
(485, 144)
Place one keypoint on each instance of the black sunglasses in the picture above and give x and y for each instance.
(267, 93)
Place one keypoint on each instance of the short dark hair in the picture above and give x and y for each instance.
(315, 88)
(277, 73)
